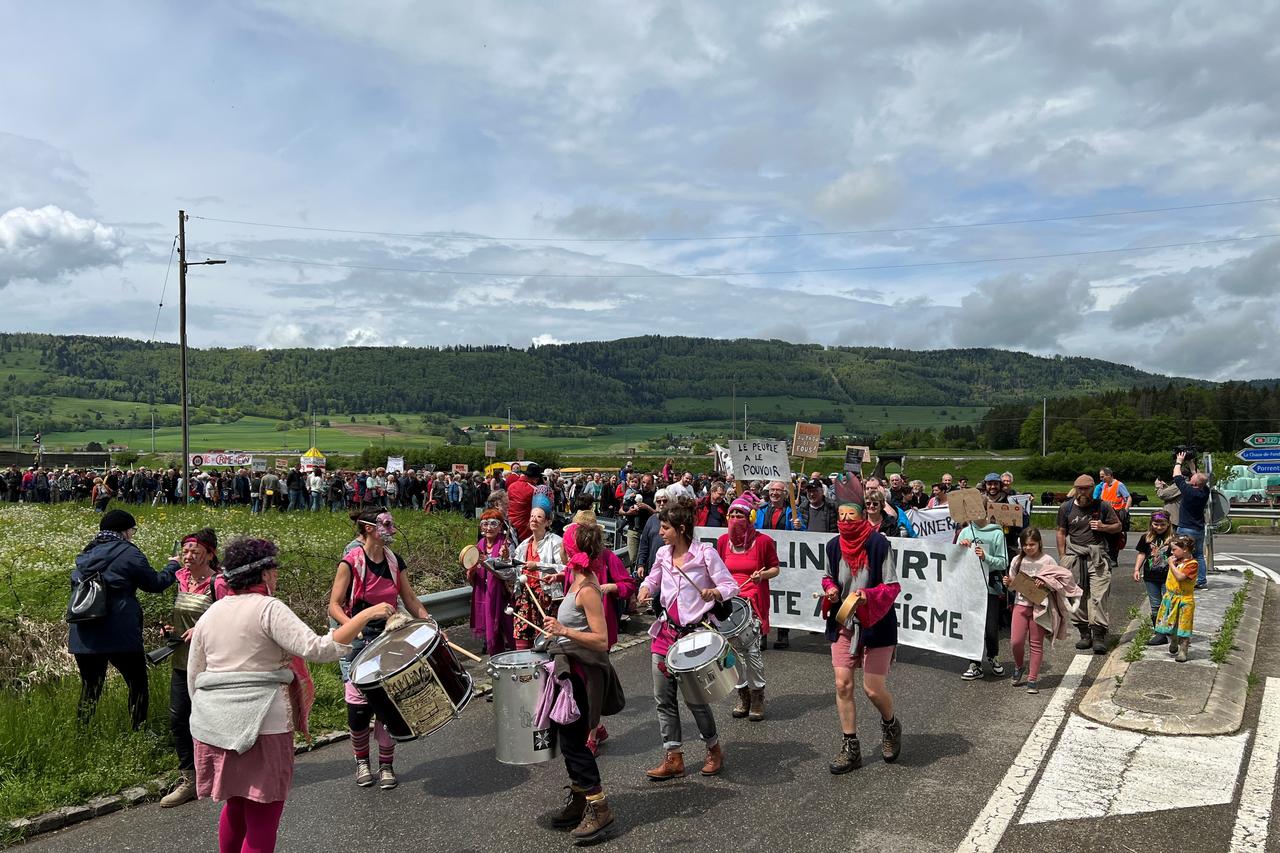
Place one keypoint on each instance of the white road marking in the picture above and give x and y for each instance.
(1254, 814)
(1246, 563)
(1096, 771)
(985, 834)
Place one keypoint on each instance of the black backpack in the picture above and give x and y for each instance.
(88, 599)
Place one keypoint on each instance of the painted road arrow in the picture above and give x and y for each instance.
(1263, 439)
(1259, 469)
(1259, 454)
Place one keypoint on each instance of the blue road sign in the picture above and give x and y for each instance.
(1259, 469)
(1259, 454)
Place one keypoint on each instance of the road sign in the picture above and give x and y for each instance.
(1259, 469)
(1259, 454)
(1263, 439)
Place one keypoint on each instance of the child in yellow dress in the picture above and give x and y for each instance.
(1178, 607)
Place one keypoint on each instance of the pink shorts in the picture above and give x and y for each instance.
(872, 661)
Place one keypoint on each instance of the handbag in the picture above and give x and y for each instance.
(88, 599)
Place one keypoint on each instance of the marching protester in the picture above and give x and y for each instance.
(489, 594)
(939, 496)
(873, 508)
(1176, 618)
(247, 652)
(988, 544)
(860, 565)
(1191, 512)
(196, 592)
(114, 634)
(650, 537)
(1084, 525)
(1152, 566)
(541, 548)
(818, 515)
(370, 574)
(581, 651)
(752, 559)
(1032, 621)
(712, 508)
(688, 579)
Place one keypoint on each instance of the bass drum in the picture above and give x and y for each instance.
(412, 680)
(518, 679)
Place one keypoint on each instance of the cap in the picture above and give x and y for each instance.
(117, 521)
(1084, 481)
(993, 477)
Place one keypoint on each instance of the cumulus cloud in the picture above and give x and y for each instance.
(859, 196)
(1019, 310)
(49, 242)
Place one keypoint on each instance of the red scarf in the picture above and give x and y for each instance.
(853, 541)
(741, 533)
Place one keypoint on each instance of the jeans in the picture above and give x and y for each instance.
(666, 696)
(257, 505)
(1155, 593)
(317, 501)
(750, 662)
(93, 674)
(180, 721)
(297, 499)
(1202, 575)
(580, 764)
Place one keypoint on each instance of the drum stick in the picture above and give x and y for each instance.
(544, 631)
(460, 650)
(524, 581)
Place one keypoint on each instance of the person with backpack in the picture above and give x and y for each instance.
(105, 616)
(368, 575)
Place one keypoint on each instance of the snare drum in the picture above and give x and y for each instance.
(412, 680)
(740, 624)
(703, 663)
(518, 679)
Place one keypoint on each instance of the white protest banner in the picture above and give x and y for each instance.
(724, 462)
(934, 524)
(760, 459)
(199, 460)
(942, 607)
(807, 440)
(395, 463)
(1023, 501)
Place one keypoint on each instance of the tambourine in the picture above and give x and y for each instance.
(469, 557)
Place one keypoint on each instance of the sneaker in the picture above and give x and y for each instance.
(1202, 585)
(387, 778)
(364, 773)
(1032, 688)
(973, 672)
(996, 667)
(1019, 677)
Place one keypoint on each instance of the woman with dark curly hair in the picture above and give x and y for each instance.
(250, 689)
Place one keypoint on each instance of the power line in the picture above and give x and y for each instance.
(734, 273)
(173, 248)
(447, 235)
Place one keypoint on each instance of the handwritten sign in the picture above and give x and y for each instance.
(490, 449)
(966, 505)
(760, 459)
(459, 467)
(854, 456)
(807, 440)
(1005, 515)
(395, 463)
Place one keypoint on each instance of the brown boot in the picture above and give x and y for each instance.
(744, 703)
(672, 766)
(757, 705)
(891, 743)
(184, 792)
(596, 821)
(715, 761)
(575, 805)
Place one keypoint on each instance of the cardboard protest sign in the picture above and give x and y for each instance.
(942, 607)
(760, 459)
(459, 467)
(1026, 586)
(854, 456)
(1005, 515)
(490, 449)
(966, 505)
(807, 440)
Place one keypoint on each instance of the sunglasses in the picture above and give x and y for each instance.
(491, 523)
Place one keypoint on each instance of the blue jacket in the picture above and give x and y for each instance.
(763, 513)
(125, 570)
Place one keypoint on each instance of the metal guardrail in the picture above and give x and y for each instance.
(1269, 513)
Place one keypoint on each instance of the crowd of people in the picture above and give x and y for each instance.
(240, 686)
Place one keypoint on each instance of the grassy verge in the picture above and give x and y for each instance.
(1226, 637)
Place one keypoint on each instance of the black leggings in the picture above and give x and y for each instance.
(180, 720)
(578, 760)
(93, 674)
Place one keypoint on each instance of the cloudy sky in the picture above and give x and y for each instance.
(435, 173)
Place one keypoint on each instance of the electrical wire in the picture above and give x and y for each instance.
(736, 273)
(165, 287)
(709, 238)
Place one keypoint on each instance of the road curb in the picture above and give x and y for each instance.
(1223, 711)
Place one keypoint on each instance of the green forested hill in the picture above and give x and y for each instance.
(619, 381)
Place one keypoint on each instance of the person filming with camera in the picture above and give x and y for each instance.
(1191, 511)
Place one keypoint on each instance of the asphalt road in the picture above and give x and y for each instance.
(960, 738)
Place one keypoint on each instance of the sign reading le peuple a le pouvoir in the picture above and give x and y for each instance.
(760, 459)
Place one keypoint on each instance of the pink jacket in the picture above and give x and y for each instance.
(704, 567)
(1054, 613)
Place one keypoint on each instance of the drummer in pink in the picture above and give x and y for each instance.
(489, 593)
(689, 579)
(752, 558)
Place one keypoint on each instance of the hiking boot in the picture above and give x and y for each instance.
(364, 773)
(757, 705)
(1174, 645)
(183, 792)
(1183, 646)
(848, 758)
(596, 821)
(1099, 641)
(744, 703)
(1019, 677)
(672, 766)
(784, 639)
(1033, 688)
(1157, 639)
(715, 761)
(996, 667)
(973, 672)
(1085, 641)
(575, 805)
(891, 743)
(387, 777)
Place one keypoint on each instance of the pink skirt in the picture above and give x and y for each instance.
(264, 774)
